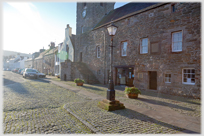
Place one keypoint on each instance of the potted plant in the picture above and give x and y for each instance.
(79, 82)
(132, 92)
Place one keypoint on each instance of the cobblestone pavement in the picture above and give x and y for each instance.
(124, 121)
(186, 106)
(33, 106)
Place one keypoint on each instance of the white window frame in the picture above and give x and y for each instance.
(188, 83)
(98, 54)
(177, 42)
(167, 81)
(145, 45)
(122, 47)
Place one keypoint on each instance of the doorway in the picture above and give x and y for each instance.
(153, 80)
(125, 76)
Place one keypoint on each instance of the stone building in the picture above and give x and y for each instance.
(49, 59)
(157, 45)
(29, 63)
(44, 63)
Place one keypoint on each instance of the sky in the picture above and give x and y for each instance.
(31, 26)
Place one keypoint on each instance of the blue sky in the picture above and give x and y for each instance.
(30, 26)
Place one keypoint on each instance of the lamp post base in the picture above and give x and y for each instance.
(111, 105)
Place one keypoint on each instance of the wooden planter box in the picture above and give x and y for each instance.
(133, 96)
(79, 84)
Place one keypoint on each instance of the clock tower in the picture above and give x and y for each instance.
(89, 14)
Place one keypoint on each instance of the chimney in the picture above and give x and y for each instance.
(68, 30)
(52, 45)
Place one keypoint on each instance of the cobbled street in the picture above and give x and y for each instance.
(33, 106)
(43, 107)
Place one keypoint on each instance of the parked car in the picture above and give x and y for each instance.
(8, 69)
(22, 71)
(40, 75)
(15, 70)
(19, 71)
(31, 73)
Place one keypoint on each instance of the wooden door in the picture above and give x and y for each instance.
(153, 80)
(130, 78)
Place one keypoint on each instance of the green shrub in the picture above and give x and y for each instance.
(50, 74)
(78, 80)
(129, 90)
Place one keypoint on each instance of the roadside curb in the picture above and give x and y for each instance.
(83, 121)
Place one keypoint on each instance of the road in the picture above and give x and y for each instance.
(34, 106)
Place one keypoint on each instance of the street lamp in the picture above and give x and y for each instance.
(110, 103)
(111, 92)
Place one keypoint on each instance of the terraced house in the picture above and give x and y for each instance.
(157, 46)
(45, 61)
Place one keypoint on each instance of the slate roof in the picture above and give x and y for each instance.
(42, 54)
(123, 11)
(51, 51)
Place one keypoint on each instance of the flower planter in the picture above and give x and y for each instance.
(79, 84)
(132, 95)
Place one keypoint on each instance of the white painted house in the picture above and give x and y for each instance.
(65, 50)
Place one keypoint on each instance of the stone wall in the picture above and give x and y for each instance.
(157, 25)
(66, 71)
(38, 64)
(49, 63)
(94, 13)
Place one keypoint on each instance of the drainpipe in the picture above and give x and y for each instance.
(104, 66)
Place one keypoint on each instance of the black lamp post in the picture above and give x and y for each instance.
(111, 92)
(110, 103)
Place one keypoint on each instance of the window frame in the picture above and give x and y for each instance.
(101, 4)
(173, 8)
(172, 42)
(121, 48)
(168, 78)
(98, 51)
(142, 46)
(187, 83)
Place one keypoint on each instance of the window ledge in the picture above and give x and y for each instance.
(168, 82)
(188, 83)
(177, 51)
(143, 53)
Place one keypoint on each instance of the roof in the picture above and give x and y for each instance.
(29, 59)
(123, 11)
(51, 51)
(42, 54)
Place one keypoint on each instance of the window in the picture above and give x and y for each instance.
(101, 4)
(173, 8)
(177, 41)
(167, 78)
(189, 76)
(124, 49)
(84, 4)
(144, 46)
(98, 51)
(99, 72)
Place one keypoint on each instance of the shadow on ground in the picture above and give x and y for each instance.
(131, 114)
(157, 102)
(156, 94)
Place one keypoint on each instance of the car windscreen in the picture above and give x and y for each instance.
(30, 70)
